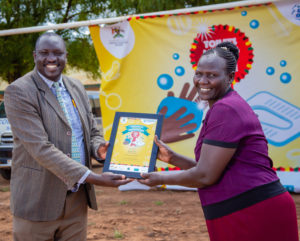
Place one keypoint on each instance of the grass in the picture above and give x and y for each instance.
(4, 189)
(118, 234)
(123, 202)
(159, 203)
(178, 211)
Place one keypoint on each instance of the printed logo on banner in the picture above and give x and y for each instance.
(117, 32)
(296, 11)
(221, 33)
(290, 10)
(118, 39)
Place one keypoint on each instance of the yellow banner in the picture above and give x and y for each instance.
(148, 64)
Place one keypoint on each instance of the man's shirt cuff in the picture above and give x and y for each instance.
(81, 181)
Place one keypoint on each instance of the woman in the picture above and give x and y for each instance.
(241, 195)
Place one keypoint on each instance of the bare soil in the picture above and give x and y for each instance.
(153, 215)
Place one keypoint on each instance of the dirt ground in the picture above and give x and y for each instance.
(153, 215)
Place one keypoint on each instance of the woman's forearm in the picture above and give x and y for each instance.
(188, 178)
(183, 162)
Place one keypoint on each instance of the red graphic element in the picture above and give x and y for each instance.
(287, 169)
(221, 33)
(135, 135)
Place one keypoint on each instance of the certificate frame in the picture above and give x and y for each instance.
(132, 149)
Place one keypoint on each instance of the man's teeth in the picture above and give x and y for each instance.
(205, 90)
(51, 66)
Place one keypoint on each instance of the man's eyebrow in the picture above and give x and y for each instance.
(51, 50)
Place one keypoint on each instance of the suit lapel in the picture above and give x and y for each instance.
(49, 96)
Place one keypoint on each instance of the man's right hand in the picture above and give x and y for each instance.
(107, 179)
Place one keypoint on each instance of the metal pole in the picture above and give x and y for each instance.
(16, 31)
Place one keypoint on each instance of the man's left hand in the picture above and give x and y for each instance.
(102, 150)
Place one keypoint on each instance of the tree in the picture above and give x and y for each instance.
(144, 6)
(16, 57)
(16, 51)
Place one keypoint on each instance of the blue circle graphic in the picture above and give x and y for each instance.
(285, 78)
(244, 13)
(165, 81)
(282, 63)
(254, 24)
(175, 56)
(179, 70)
(270, 71)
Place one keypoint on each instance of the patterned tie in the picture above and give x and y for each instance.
(75, 147)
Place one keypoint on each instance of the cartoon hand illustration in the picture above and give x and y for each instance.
(174, 129)
(182, 116)
(184, 92)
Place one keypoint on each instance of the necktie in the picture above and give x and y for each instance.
(75, 147)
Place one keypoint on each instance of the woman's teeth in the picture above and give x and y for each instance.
(204, 90)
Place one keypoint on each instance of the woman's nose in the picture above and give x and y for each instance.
(199, 79)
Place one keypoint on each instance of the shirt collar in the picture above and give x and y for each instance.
(50, 82)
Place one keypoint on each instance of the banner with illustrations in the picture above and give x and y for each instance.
(148, 64)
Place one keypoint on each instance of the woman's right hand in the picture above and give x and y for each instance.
(165, 153)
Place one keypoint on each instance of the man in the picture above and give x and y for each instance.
(51, 184)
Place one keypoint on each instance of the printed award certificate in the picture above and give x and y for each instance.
(132, 149)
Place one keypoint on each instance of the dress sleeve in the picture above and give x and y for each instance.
(224, 127)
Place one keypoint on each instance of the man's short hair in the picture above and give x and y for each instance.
(47, 34)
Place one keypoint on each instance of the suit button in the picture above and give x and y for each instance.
(69, 155)
(68, 133)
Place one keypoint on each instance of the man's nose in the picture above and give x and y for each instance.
(51, 57)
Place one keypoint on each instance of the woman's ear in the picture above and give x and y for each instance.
(231, 77)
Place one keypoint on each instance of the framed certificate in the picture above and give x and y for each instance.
(132, 149)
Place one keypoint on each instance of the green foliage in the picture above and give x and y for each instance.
(86, 60)
(118, 234)
(123, 202)
(159, 203)
(16, 50)
(16, 55)
(4, 189)
(145, 6)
